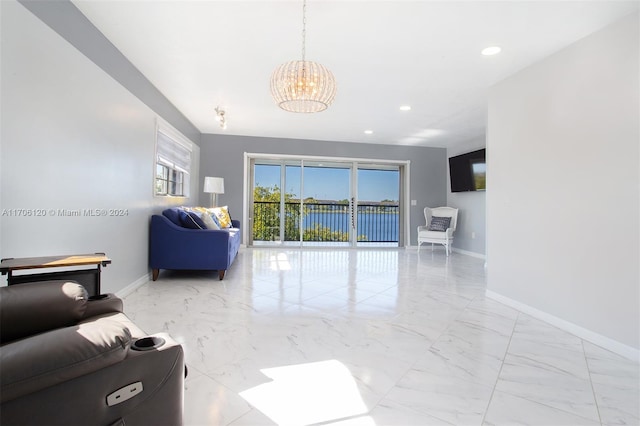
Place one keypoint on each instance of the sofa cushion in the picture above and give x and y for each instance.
(173, 214)
(432, 235)
(191, 220)
(439, 223)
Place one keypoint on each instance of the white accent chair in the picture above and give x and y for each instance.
(444, 236)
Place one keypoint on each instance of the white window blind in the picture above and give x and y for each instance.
(173, 162)
(172, 153)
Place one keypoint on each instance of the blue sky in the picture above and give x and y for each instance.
(325, 183)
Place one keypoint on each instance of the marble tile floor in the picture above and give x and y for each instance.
(375, 337)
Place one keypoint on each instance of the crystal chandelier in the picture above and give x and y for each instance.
(303, 86)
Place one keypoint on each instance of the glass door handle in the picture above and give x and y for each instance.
(353, 216)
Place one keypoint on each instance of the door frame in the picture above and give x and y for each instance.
(405, 185)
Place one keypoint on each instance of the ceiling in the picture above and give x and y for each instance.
(384, 54)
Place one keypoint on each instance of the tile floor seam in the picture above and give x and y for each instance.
(413, 364)
(534, 401)
(251, 407)
(409, 368)
(504, 357)
(593, 389)
(551, 407)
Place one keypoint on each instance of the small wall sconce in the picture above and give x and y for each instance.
(220, 117)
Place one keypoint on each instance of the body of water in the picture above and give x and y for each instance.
(374, 227)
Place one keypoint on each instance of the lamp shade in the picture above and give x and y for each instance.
(214, 185)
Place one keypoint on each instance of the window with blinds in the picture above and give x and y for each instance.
(173, 163)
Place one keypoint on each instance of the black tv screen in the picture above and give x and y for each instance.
(468, 172)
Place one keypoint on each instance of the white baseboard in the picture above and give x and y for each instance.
(469, 253)
(133, 286)
(585, 334)
(427, 246)
(457, 250)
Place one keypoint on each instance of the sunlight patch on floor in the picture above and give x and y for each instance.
(306, 394)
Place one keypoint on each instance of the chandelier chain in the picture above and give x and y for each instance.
(304, 27)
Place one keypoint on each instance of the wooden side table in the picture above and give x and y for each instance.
(88, 277)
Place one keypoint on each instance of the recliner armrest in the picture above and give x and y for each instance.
(102, 304)
(84, 400)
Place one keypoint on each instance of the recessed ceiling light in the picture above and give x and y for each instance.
(492, 50)
(368, 132)
(405, 108)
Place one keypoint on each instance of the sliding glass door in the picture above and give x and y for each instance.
(326, 204)
(275, 201)
(318, 202)
(378, 208)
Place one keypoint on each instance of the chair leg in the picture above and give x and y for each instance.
(154, 274)
(221, 273)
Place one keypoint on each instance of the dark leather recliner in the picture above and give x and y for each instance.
(66, 359)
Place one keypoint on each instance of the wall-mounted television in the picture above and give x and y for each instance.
(468, 172)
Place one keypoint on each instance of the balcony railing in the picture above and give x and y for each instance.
(376, 222)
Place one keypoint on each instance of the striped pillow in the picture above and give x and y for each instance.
(191, 220)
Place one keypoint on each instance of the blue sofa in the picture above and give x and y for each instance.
(172, 246)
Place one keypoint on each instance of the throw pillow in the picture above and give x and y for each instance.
(222, 213)
(191, 220)
(439, 223)
(207, 216)
(209, 221)
(215, 220)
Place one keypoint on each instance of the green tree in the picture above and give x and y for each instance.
(323, 233)
(266, 217)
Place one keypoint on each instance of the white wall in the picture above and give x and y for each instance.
(470, 235)
(73, 138)
(563, 177)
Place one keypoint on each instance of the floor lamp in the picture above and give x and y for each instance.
(214, 186)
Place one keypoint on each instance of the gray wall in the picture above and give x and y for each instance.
(563, 204)
(73, 138)
(470, 233)
(65, 19)
(223, 156)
